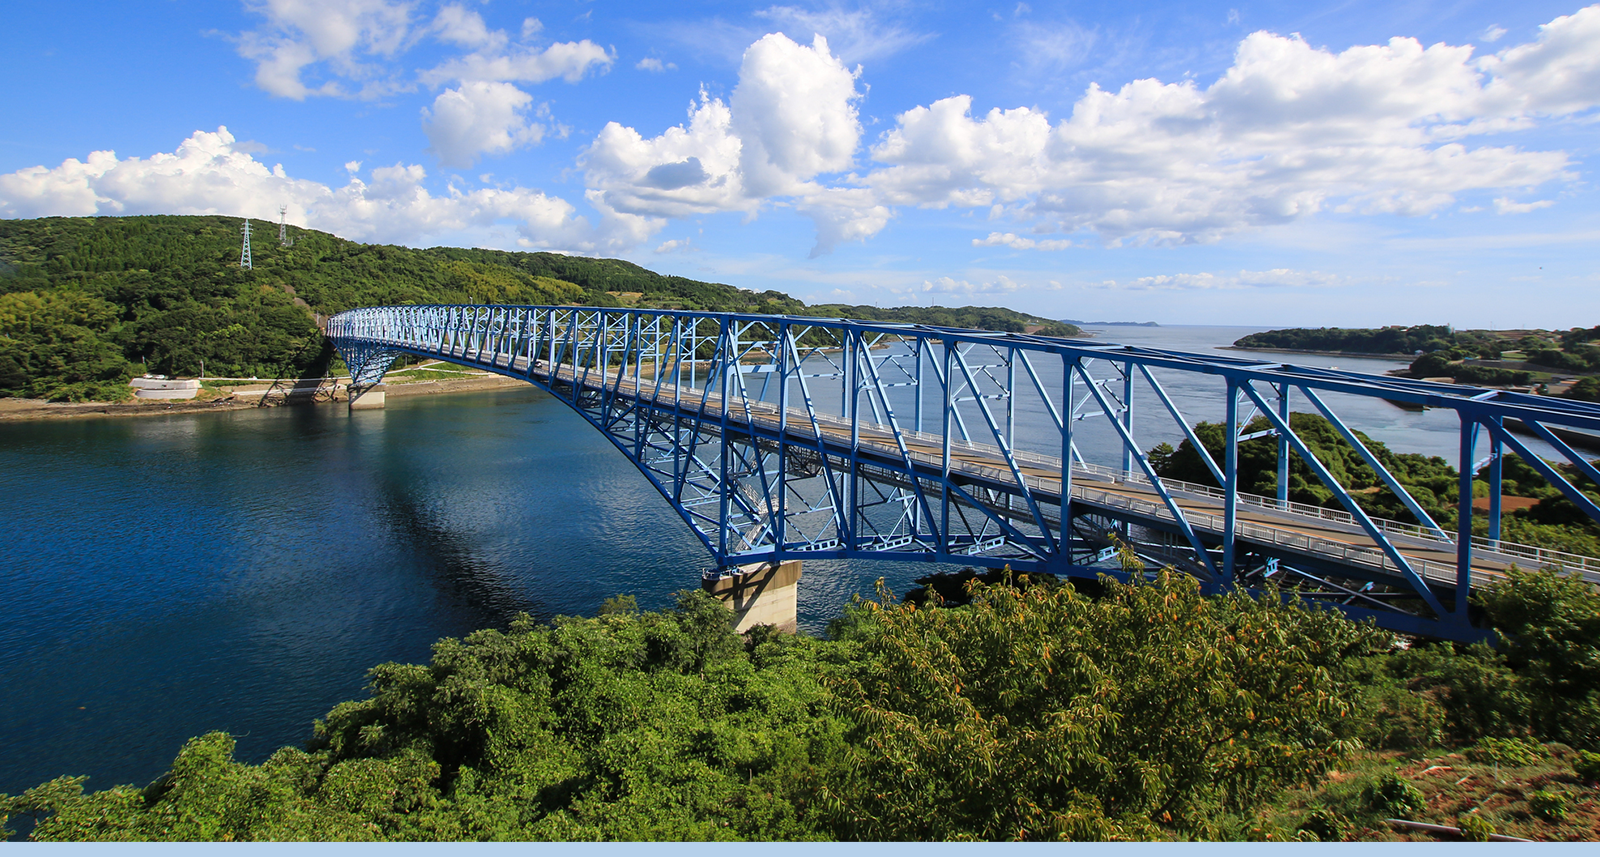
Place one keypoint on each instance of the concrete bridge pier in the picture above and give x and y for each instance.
(367, 398)
(764, 593)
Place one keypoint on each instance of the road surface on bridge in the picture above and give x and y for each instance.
(1321, 534)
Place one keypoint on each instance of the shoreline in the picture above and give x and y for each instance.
(31, 410)
(1367, 354)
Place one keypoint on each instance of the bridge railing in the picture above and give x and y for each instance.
(986, 403)
(1538, 557)
(765, 414)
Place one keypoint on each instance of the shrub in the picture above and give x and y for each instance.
(1392, 715)
(1040, 713)
(1326, 825)
(1471, 687)
(1587, 766)
(1510, 752)
(1475, 828)
(1392, 795)
(1548, 805)
(1549, 624)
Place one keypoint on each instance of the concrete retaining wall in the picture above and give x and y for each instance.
(164, 388)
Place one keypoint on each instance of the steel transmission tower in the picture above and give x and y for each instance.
(283, 229)
(244, 251)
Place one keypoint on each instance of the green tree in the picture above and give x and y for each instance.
(1549, 626)
(56, 345)
(1039, 713)
(1429, 479)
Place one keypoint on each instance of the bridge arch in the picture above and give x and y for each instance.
(779, 437)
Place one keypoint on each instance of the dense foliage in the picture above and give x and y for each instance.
(87, 302)
(1429, 479)
(1585, 390)
(1031, 711)
(1361, 340)
(1028, 714)
(1442, 352)
(1038, 713)
(1541, 680)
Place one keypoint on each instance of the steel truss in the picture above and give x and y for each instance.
(783, 437)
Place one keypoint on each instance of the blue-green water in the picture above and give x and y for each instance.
(240, 571)
(162, 577)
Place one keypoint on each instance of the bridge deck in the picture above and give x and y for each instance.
(1306, 531)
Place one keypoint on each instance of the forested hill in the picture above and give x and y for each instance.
(86, 302)
(1363, 340)
(1484, 357)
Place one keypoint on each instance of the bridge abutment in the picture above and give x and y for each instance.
(368, 399)
(761, 594)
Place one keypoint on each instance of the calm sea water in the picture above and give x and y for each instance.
(166, 576)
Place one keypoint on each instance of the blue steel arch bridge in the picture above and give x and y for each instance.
(778, 437)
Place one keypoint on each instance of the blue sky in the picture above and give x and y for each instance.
(1242, 163)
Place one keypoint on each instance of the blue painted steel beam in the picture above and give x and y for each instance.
(816, 461)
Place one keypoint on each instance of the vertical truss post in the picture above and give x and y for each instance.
(1127, 414)
(917, 349)
(1230, 471)
(946, 382)
(1011, 399)
(530, 320)
(1067, 363)
(780, 528)
(1283, 448)
(1469, 434)
(1496, 472)
(720, 361)
(550, 347)
(853, 345)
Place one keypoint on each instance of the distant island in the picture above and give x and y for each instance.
(1110, 323)
(1540, 360)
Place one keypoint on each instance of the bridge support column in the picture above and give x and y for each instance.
(761, 594)
(367, 398)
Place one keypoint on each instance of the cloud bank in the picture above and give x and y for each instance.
(1287, 132)
(209, 174)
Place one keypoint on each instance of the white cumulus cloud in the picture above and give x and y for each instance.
(207, 174)
(966, 289)
(1503, 205)
(794, 110)
(347, 35)
(1556, 73)
(791, 119)
(1289, 130)
(353, 48)
(1014, 241)
(1275, 278)
(479, 118)
(498, 60)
